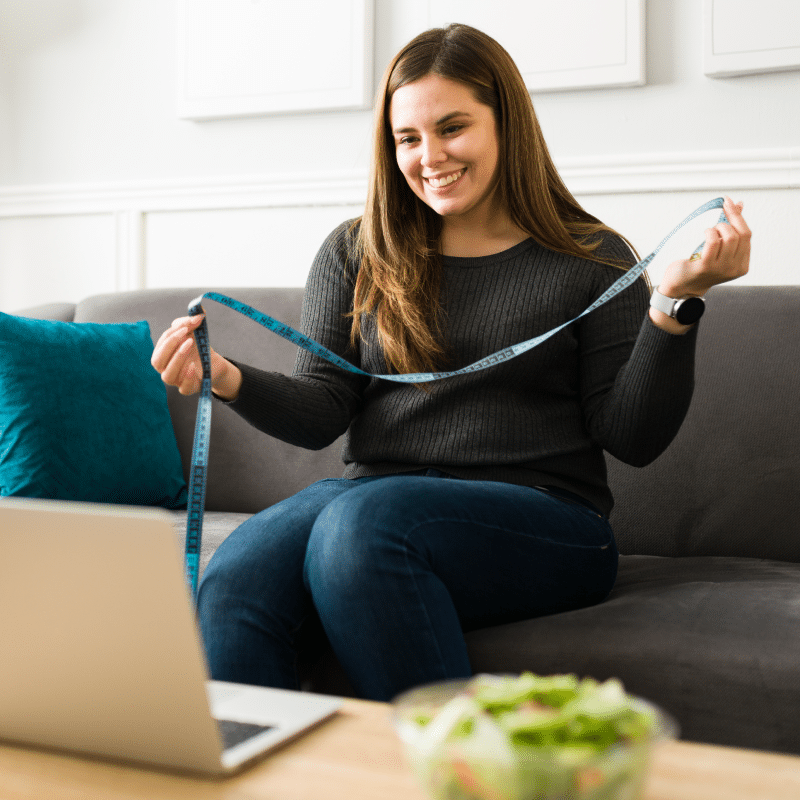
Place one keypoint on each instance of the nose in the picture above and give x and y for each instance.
(432, 152)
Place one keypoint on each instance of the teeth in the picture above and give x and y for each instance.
(437, 184)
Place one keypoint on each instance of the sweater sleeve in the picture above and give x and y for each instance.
(637, 380)
(314, 406)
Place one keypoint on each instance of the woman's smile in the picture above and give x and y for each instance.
(443, 181)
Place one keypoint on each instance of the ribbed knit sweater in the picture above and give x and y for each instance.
(612, 381)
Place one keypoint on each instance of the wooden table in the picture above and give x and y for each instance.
(355, 756)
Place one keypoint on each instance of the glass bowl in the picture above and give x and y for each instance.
(463, 755)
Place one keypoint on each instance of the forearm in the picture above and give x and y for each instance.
(641, 414)
(300, 411)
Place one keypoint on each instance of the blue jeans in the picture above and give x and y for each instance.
(396, 568)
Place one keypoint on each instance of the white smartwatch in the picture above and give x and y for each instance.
(686, 311)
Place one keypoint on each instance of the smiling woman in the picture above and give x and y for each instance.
(450, 118)
(483, 499)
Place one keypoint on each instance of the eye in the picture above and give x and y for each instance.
(450, 129)
(406, 140)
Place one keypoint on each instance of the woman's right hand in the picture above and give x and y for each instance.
(176, 358)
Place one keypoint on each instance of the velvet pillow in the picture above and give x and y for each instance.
(84, 416)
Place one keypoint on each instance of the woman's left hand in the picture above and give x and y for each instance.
(725, 257)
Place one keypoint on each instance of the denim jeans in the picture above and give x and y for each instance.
(396, 568)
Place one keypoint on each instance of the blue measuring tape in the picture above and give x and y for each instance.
(200, 448)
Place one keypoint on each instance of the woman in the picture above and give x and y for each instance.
(474, 500)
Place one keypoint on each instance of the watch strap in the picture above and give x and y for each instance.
(660, 302)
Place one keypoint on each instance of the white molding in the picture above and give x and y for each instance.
(618, 174)
(777, 168)
(189, 194)
(129, 240)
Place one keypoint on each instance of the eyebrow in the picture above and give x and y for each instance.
(441, 121)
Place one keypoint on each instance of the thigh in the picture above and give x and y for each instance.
(524, 553)
(503, 552)
(263, 557)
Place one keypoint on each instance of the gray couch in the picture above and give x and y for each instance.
(705, 615)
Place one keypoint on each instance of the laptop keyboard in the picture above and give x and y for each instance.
(234, 733)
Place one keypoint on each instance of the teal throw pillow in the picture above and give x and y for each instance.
(84, 416)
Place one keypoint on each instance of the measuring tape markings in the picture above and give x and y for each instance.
(200, 447)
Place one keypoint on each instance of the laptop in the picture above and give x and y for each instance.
(100, 653)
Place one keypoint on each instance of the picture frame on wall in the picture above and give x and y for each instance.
(742, 37)
(560, 46)
(244, 58)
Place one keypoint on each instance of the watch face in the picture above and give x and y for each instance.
(690, 310)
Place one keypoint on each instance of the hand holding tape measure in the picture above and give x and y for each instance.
(185, 358)
(723, 256)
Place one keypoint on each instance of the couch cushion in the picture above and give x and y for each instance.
(247, 470)
(714, 640)
(727, 485)
(83, 415)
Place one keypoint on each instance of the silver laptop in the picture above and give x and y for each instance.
(100, 652)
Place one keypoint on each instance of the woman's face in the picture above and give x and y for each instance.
(446, 145)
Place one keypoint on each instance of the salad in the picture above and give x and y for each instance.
(529, 737)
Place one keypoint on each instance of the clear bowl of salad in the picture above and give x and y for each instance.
(529, 737)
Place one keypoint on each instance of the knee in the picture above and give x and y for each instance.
(228, 561)
(352, 539)
(237, 568)
(218, 585)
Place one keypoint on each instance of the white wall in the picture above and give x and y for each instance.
(103, 188)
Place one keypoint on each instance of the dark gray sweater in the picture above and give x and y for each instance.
(612, 381)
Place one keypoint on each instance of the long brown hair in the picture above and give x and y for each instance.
(400, 274)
